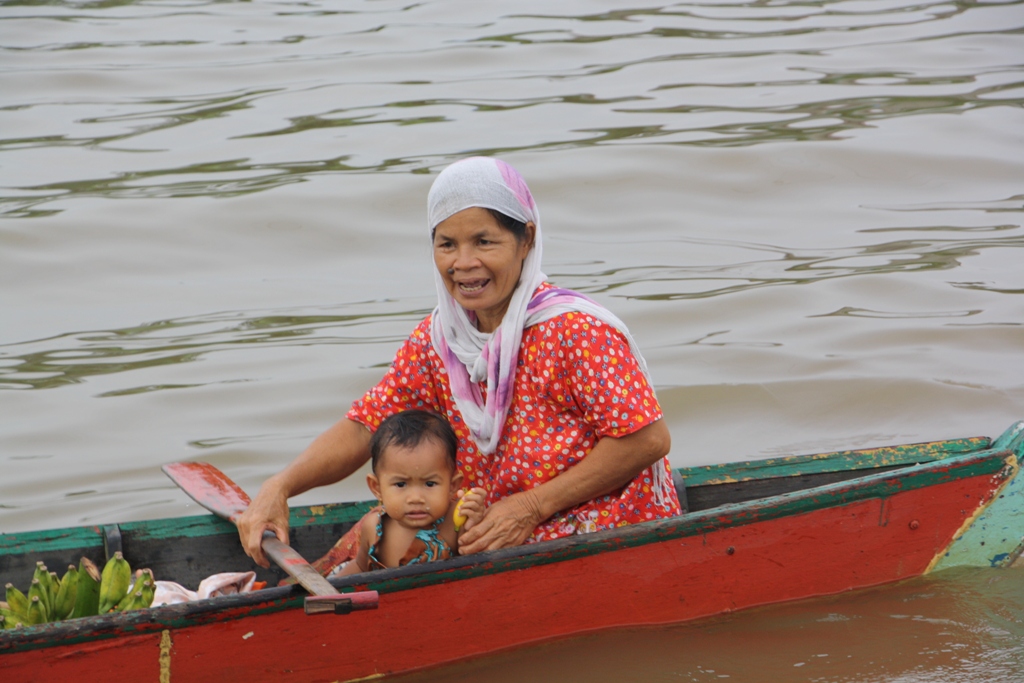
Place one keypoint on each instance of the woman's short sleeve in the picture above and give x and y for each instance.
(602, 377)
(409, 383)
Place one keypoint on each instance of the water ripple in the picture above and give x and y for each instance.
(787, 266)
(74, 357)
(706, 75)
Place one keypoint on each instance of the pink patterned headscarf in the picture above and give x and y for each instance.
(470, 356)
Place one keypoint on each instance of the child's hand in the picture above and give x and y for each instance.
(470, 508)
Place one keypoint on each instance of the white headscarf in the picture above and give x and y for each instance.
(490, 184)
(471, 356)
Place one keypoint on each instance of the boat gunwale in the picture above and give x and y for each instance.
(837, 461)
(883, 484)
(867, 459)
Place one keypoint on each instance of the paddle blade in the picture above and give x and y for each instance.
(209, 487)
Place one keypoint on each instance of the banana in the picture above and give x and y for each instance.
(114, 582)
(137, 580)
(457, 515)
(148, 591)
(54, 589)
(142, 576)
(89, 566)
(17, 602)
(47, 590)
(140, 595)
(138, 600)
(11, 622)
(8, 617)
(64, 603)
(36, 611)
(124, 604)
(87, 601)
(37, 594)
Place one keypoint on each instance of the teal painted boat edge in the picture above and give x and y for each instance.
(1012, 439)
(209, 525)
(50, 540)
(995, 538)
(196, 526)
(866, 459)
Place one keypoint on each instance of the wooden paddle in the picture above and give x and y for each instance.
(212, 489)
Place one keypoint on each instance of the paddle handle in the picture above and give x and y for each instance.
(323, 597)
(215, 491)
(296, 566)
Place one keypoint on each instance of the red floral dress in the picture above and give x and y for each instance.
(576, 382)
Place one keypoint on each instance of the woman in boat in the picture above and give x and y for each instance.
(550, 398)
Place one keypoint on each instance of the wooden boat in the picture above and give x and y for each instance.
(754, 533)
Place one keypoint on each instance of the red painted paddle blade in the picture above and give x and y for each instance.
(209, 487)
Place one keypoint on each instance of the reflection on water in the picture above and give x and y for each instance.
(809, 213)
(74, 357)
(788, 266)
(723, 74)
(962, 626)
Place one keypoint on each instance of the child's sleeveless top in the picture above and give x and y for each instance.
(427, 546)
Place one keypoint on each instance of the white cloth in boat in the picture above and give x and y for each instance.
(227, 583)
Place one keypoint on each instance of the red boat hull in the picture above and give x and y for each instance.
(725, 565)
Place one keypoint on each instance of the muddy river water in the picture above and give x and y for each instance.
(810, 214)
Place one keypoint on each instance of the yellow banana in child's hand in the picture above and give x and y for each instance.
(457, 515)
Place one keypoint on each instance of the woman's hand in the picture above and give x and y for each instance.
(610, 465)
(332, 456)
(508, 522)
(268, 511)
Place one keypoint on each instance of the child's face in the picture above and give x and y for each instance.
(415, 484)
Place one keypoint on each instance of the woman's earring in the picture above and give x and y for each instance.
(451, 271)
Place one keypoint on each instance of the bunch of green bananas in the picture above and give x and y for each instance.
(83, 592)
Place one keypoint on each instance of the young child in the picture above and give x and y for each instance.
(417, 482)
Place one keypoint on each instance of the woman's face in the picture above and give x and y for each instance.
(480, 262)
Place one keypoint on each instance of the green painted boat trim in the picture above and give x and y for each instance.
(1012, 439)
(796, 465)
(198, 526)
(996, 536)
(51, 540)
(208, 525)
